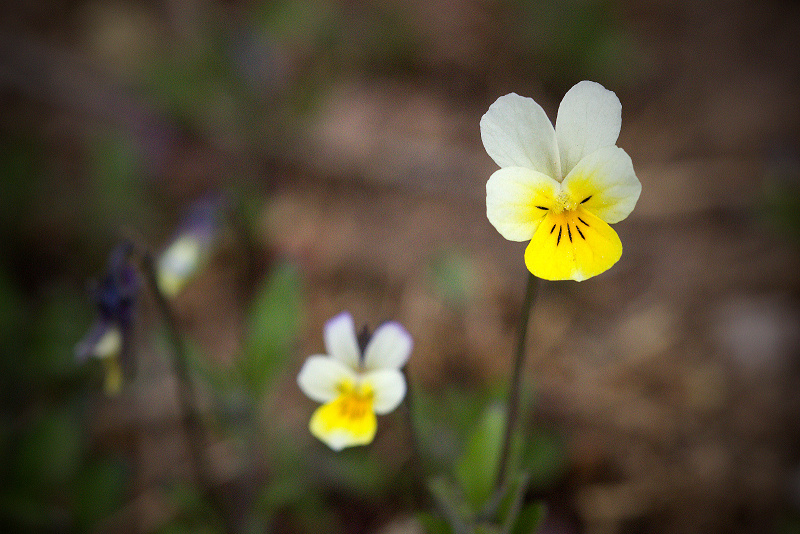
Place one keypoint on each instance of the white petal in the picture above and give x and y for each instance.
(340, 340)
(512, 195)
(389, 387)
(589, 117)
(389, 347)
(606, 177)
(320, 377)
(517, 133)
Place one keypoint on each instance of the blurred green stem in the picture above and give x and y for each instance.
(512, 413)
(187, 397)
(413, 437)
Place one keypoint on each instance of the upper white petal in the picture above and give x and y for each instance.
(607, 176)
(340, 340)
(388, 348)
(589, 117)
(389, 388)
(320, 376)
(517, 133)
(512, 195)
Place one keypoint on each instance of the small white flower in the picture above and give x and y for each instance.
(179, 262)
(191, 248)
(561, 187)
(354, 387)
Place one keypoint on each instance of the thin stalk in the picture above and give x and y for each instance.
(187, 396)
(413, 436)
(512, 413)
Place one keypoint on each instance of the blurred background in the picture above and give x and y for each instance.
(343, 139)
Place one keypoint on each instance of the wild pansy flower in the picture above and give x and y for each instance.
(560, 187)
(355, 384)
(109, 338)
(189, 250)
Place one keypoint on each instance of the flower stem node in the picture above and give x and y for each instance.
(354, 385)
(561, 187)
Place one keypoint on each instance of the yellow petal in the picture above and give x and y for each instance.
(572, 245)
(345, 421)
(113, 376)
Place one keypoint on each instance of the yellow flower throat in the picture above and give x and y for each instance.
(353, 402)
(564, 214)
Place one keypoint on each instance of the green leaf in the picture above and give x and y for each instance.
(274, 322)
(476, 470)
(450, 502)
(512, 501)
(432, 524)
(530, 519)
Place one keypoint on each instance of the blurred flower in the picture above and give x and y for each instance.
(190, 249)
(560, 188)
(355, 385)
(109, 338)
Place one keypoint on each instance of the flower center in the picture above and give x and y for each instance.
(563, 203)
(354, 401)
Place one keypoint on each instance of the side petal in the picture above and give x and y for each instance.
(320, 377)
(104, 340)
(517, 133)
(606, 178)
(589, 117)
(341, 341)
(572, 246)
(388, 387)
(338, 425)
(388, 348)
(512, 197)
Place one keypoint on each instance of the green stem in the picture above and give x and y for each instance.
(512, 413)
(413, 436)
(187, 396)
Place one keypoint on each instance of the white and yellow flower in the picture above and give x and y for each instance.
(104, 342)
(354, 385)
(561, 187)
(191, 248)
(179, 262)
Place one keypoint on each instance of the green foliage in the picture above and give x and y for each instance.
(196, 515)
(433, 524)
(544, 457)
(575, 39)
(470, 502)
(99, 491)
(444, 421)
(451, 504)
(20, 179)
(117, 195)
(780, 199)
(476, 469)
(530, 518)
(504, 512)
(49, 451)
(273, 326)
(452, 275)
(61, 318)
(49, 481)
